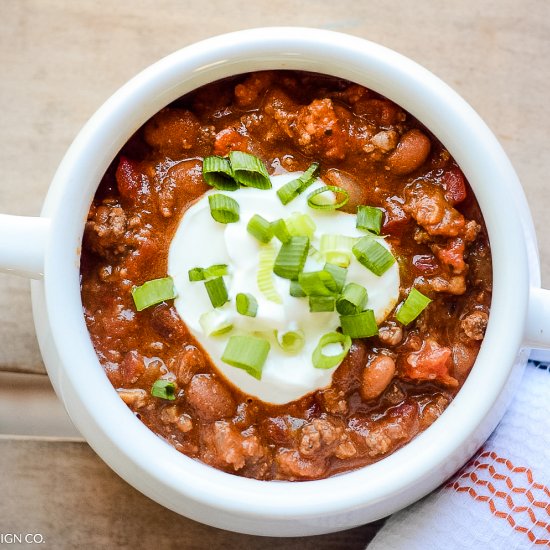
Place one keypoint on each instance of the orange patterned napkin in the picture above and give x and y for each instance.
(501, 498)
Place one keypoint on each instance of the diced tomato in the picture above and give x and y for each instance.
(128, 179)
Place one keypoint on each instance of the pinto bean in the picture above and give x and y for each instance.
(377, 376)
(209, 398)
(411, 152)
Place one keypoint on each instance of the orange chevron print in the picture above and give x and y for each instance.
(519, 500)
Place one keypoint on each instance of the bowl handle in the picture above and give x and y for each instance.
(537, 328)
(22, 245)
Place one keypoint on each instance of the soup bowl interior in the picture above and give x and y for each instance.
(284, 508)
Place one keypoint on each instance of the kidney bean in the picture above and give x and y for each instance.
(411, 152)
(377, 376)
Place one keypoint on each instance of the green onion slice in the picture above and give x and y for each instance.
(264, 277)
(217, 172)
(280, 230)
(317, 201)
(353, 299)
(374, 256)
(249, 170)
(338, 273)
(293, 188)
(412, 307)
(216, 322)
(318, 283)
(316, 254)
(291, 341)
(260, 228)
(223, 209)
(321, 360)
(337, 249)
(203, 273)
(153, 292)
(246, 304)
(165, 389)
(299, 224)
(296, 290)
(369, 218)
(359, 325)
(248, 353)
(291, 258)
(320, 304)
(217, 291)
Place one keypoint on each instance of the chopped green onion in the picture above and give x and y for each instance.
(292, 341)
(223, 209)
(291, 258)
(373, 255)
(153, 292)
(216, 322)
(296, 290)
(316, 254)
(293, 188)
(319, 304)
(318, 283)
(247, 304)
(359, 325)
(165, 389)
(412, 307)
(203, 273)
(300, 225)
(337, 248)
(260, 228)
(217, 172)
(369, 218)
(280, 230)
(248, 353)
(264, 277)
(321, 360)
(316, 201)
(338, 273)
(249, 170)
(217, 291)
(353, 299)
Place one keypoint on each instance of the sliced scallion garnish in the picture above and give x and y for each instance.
(338, 273)
(217, 172)
(223, 209)
(217, 291)
(246, 304)
(317, 201)
(352, 300)
(412, 307)
(319, 304)
(291, 258)
(373, 255)
(291, 341)
(248, 353)
(318, 283)
(204, 273)
(337, 249)
(165, 389)
(216, 322)
(264, 277)
(359, 325)
(249, 170)
(280, 230)
(323, 361)
(300, 224)
(153, 292)
(316, 254)
(296, 290)
(260, 228)
(293, 188)
(369, 218)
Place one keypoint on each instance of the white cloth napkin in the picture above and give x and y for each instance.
(501, 499)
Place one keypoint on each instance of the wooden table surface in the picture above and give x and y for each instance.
(60, 59)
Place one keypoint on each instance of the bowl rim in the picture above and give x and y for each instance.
(133, 450)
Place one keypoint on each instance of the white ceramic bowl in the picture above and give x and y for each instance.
(47, 249)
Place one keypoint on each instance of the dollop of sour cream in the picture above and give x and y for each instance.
(201, 242)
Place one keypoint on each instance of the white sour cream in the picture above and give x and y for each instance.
(201, 242)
